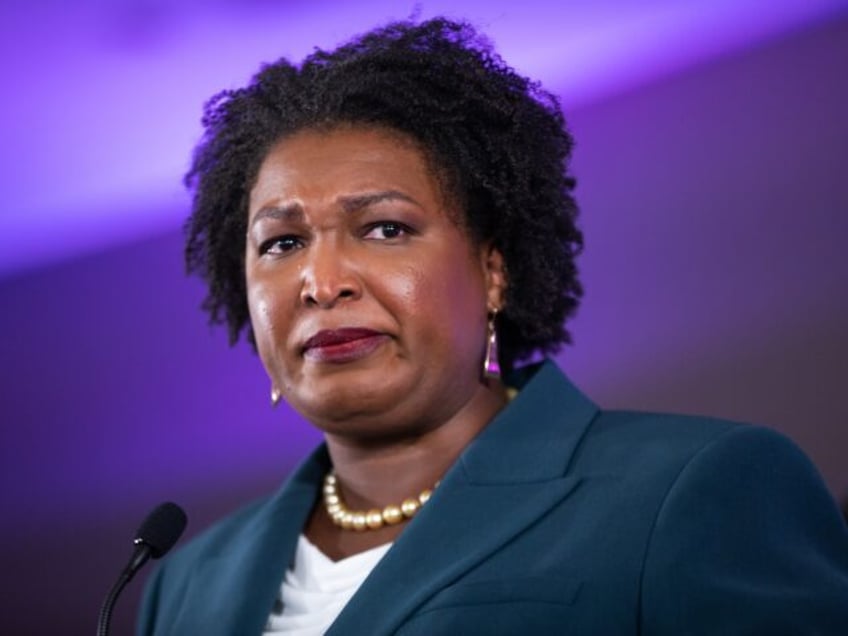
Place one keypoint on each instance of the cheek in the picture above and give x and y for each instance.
(260, 309)
(265, 316)
(408, 289)
(444, 302)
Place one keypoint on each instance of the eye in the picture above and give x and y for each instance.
(386, 231)
(280, 245)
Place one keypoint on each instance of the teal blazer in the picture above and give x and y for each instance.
(558, 518)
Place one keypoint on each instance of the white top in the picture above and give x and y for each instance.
(316, 589)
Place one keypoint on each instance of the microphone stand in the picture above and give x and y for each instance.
(154, 538)
(140, 556)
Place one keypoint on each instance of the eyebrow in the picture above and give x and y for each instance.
(289, 212)
(356, 202)
(350, 203)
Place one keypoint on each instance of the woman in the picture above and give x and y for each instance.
(392, 226)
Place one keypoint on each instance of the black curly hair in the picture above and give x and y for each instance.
(498, 144)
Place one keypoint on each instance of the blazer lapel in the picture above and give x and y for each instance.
(507, 478)
(234, 592)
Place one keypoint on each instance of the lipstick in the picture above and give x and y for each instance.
(342, 345)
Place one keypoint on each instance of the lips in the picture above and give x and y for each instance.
(342, 345)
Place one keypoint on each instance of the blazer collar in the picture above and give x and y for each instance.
(508, 477)
(535, 436)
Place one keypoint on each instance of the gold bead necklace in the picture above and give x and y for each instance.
(372, 519)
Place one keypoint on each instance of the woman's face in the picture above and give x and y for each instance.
(368, 300)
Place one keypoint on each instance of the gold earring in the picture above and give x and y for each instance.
(276, 396)
(491, 367)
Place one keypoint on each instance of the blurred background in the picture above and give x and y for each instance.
(711, 161)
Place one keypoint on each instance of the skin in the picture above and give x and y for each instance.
(349, 228)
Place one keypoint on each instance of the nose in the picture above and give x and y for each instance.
(327, 276)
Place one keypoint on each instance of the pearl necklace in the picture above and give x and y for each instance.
(373, 519)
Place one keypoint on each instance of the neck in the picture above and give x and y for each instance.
(375, 472)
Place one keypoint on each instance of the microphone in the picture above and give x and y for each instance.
(157, 534)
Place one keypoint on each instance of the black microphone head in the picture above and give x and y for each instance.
(162, 528)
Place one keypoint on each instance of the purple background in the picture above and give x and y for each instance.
(711, 159)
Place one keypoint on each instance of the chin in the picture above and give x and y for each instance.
(345, 394)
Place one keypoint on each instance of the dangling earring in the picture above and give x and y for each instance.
(491, 368)
(275, 396)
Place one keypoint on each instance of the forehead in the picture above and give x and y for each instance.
(344, 159)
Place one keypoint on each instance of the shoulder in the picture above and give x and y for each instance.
(691, 456)
(743, 508)
(688, 465)
(166, 587)
(248, 547)
(741, 532)
(616, 440)
(687, 446)
(222, 535)
(644, 442)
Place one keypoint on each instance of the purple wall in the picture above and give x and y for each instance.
(716, 214)
(716, 208)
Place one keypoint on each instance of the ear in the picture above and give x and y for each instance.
(494, 270)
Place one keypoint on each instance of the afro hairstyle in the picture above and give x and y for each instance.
(497, 142)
